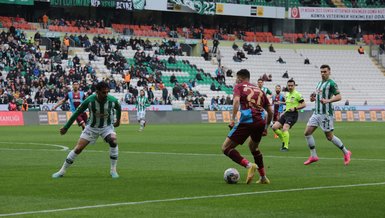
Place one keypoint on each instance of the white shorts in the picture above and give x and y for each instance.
(141, 115)
(91, 134)
(326, 122)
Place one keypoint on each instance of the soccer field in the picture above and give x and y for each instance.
(177, 171)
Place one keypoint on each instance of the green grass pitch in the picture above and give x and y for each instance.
(177, 171)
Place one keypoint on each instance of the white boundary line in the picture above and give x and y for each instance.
(65, 148)
(191, 198)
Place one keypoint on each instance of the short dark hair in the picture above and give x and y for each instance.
(278, 86)
(260, 79)
(291, 81)
(75, 82)
(102, 85)
(325, 66)
(245, 74)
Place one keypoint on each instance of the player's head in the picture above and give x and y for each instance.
(260, 83)
(75, 86)
(277, 89)
(243, 75)
(290, 85)
(142, 92)
(325, 72)
(102, 90)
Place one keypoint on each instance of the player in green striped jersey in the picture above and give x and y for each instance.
(141, 104)
(326, 93)
(264, 89)
(103, 108)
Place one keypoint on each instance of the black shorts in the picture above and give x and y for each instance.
(289, 118)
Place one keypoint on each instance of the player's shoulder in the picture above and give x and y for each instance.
(332, 82)
(91, 97)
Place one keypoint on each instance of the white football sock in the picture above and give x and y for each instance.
(114, 151)
(339, 144)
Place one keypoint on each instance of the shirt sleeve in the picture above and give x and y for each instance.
(334, 88)
(118, 110)
(237, 91)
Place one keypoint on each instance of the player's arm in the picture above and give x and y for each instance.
(60, 103)
(335, 98)
(118, 110)
(147, 103)
(236, 103)
(83, 107)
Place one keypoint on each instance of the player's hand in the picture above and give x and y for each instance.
(63, 131)
(312, 97)
(325, 101)
(231, 125)
(117, 123)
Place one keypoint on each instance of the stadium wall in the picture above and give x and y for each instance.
(168, 117)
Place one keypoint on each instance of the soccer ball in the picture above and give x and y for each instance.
(231, 176)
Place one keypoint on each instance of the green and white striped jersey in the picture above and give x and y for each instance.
(101, 114)
(325, 89)
(142, 103)
(266, 90)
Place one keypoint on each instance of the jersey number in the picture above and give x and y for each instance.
(251, 100)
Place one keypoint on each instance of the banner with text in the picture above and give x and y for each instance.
(121, 4)
(11, 119)
(17, 2)
(200, 7)
(312, 13)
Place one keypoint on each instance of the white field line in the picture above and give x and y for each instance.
(190, 198)
(65, 148)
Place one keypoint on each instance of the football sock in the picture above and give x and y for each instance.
(261, 171)
(114, 157)
(311, 144)
(68, 161)
(236, 157)
(279, 134)
(142, 123)
(286, 137)
(339, 144)
(258, 158)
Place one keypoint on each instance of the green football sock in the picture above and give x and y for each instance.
(286, 137)
(279, 134)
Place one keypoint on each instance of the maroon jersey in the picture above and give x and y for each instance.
(75, 99)
(253, 101)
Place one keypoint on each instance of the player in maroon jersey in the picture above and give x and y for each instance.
(252, 103)
(75, 98)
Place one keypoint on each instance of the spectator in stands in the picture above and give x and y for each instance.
(222, 101)
(215, 46)
(271, 48)
(306, 61)
(199, 76)
(128, 97)
(235, 46)
(172, 60)
(173, 79)
(176, 91)
(45, 21)
(258, 49)
(347, 102)
(12, 105)
(220, 75)
(365, 103)
(228, 100)
(212, 87)
(214, 104)
(285, 75)
(361, 50)
(206, 52)
(164, 95)
(280, 60)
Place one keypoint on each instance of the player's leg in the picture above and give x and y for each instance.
(81, 144)
(238, 135)
(278, 126)
(310, 128)
(114, 152)
(258, 158)
(285, 137)
(328, 127)
(81, 121)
